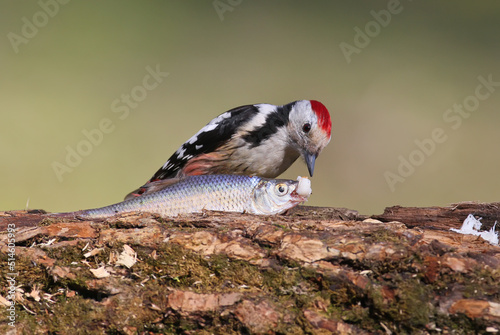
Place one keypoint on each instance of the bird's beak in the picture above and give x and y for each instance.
(310, 160)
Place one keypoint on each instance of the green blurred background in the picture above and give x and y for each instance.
(64, 77)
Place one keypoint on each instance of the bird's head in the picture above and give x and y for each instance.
(310, 129)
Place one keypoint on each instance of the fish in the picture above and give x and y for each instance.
(226, 193)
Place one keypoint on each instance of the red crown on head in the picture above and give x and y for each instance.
(323, 115)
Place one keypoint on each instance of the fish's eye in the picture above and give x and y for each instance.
(306, 127)
(281, 189)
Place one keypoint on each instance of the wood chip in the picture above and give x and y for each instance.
(92, 252)
(128, 257)
(100, 272)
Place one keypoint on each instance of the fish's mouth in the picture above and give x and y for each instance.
(302, 191)
(297, 198)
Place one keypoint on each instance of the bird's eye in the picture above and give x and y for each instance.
(306, 127)
(281, 189)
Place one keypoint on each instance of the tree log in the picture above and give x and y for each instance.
(442, 217)
(313, 270)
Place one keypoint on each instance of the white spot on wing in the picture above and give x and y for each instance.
(220, 118)
(180, 152)
(207, 128)
(193, 139)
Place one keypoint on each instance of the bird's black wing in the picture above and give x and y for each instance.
(208, 139)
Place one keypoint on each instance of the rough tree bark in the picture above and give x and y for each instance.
(313, 270)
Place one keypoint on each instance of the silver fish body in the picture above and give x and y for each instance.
(229, 193)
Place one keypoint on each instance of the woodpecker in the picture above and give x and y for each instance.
(261, 140)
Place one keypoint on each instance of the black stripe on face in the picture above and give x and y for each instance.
(273, 121)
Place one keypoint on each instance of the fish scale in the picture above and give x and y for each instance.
(228, 193)
(194, 194)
